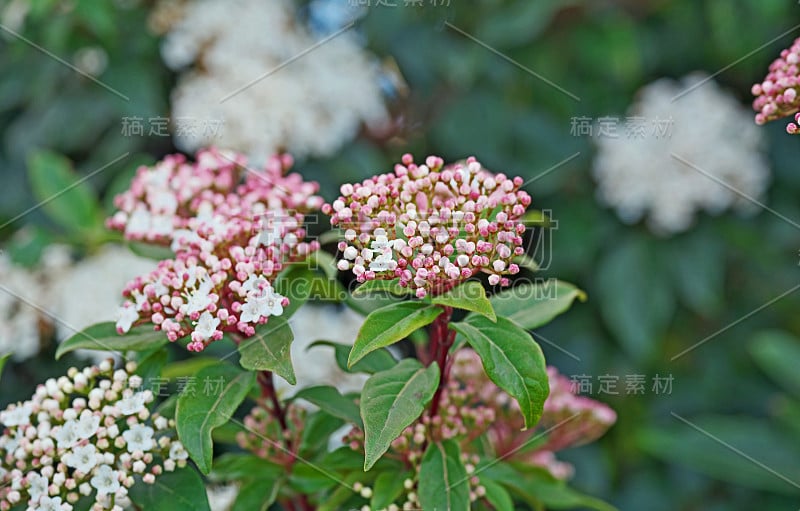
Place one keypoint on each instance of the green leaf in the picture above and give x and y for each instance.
(470, 296)
(533, 305)
(104, 337)
(321, 260)
(373, 362)
(235, 467)
(317, 431)
(777, 354)
(637, 299)
(390, 324)
(387, 488)
(536, 486)
(700, 450)
(307, 478)
(696, 266)
(181, 490)
(497, 496)
(393, 399)
(151, 365)
(150, 250)
(381, 286)
(329, 400)
(188, 367)
(337, 500)
(3, 360)
(197, 415)
(443, 478)
(66, 198)
(512, 360)
(257, 494)
(270, 349)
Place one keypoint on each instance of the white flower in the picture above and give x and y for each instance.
(182, 238)
(675, 164)
(52, 504)
(132, 404)
(221, 498)
(262, 303)
(139, 222)
(67, 434)
(37, 486)
(126, 317)
(199, 300)
(81, 458)
(253, 283)
(105, 480)
(177, 451)
(206, 326)
(139, 438)
(19, 416)
(87, 425)
(384, 261)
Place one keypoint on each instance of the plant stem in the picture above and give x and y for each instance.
(441, 340)
(268, 391)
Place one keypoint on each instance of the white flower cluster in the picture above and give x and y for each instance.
(19, 321)
(651, 174)
(35, 302)
(311, 104)
(86, 434)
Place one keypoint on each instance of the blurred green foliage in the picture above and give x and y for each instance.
(649, 299)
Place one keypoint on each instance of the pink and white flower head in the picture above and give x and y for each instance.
(777, 94)
(569, 418)
(84, 435)
(431, 226)
(230, 241)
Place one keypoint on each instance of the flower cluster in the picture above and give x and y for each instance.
(472, 406)
(261, 428)
(312, 107)
(694, 163)
(568, 419)
(230, 240)
(776, 96)
(87, 434)
(431, 226)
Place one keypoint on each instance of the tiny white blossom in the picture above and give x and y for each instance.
(19, 416)
(105, 480)
(206, 325)
(177, 451)
(139, 438)
(82, 458)
(87, 425)
(67, 434)
(52, 504)
(37, 486)
(132, 404)
(199, 300)
(126, 316)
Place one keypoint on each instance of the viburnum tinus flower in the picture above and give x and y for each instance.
(569, 419)
(431, 226)
(232, 230)
(87, 434)
(776, 95)
(472, 406)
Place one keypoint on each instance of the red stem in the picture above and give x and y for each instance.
(441, 340)
(268, 391)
